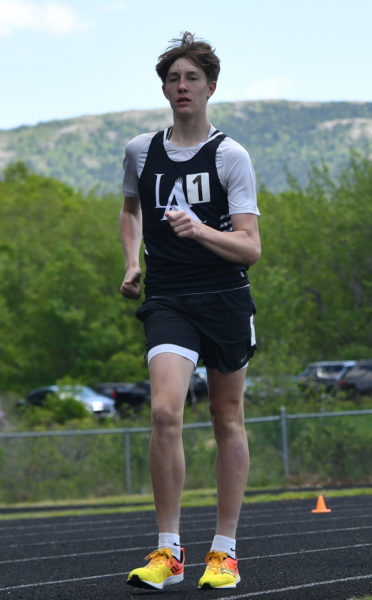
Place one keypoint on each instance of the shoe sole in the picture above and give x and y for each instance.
(208, 586)
(135, 581)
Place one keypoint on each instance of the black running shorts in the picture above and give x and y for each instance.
(218, 326)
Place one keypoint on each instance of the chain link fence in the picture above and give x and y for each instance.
(306, 448)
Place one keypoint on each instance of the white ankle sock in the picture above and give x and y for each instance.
(172, 541)
(224, 544)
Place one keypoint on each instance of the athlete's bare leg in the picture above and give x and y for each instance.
(226, 394)
(170, 377)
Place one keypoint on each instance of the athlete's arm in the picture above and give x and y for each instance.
(240, 245)
(131, 236)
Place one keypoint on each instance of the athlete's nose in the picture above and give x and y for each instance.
(182, 84)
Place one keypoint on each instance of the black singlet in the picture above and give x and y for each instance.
(177, 266)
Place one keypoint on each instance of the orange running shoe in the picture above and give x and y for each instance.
(221, 571)
(163, 569)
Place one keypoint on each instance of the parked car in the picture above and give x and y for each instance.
(198, 388)
(358, 379)
(96, 404)
(326, 374)
(134, 395)
(202, 372)
(125, 394)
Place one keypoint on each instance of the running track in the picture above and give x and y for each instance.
(285, 551)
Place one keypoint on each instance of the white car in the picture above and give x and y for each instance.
(96, 404)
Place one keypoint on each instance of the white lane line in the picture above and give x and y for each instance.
(184, 520)
(61, 581)
(74, 520)
(118, 527)
(120, 550)
(238, 597)
(304, 586)
(249, 537)
(309, 532)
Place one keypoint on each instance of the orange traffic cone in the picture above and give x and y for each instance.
(321, 506)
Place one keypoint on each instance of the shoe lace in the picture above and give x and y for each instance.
(158, 556)
(214, 560)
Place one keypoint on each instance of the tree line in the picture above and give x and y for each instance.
(61, 266)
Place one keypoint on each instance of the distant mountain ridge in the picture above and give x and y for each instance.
(281, 136)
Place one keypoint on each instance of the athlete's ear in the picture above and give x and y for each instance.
(212, 88)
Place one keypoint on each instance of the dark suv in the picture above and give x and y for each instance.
(125, 395)
(135, 395)
(326, 373)
(358, 379)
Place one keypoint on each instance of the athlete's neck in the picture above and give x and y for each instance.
(189, 133)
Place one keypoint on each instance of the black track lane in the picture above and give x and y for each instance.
(285, 552)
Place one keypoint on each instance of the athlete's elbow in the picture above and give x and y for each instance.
(251, 248)
(254, 254)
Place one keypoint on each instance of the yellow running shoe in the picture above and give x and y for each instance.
(163, 569)
(221, 571)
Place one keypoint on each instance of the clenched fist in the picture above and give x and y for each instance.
(131, 286)
(183, 224)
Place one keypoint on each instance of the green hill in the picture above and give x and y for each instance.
(281, 136)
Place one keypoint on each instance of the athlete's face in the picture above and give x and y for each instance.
(187, 88)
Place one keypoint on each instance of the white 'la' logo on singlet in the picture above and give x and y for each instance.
(197, 191)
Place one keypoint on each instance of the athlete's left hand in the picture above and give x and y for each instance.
(182, 224)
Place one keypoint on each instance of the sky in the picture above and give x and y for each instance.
(68, 58)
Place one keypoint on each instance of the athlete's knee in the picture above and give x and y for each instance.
(227, 417)
(165, 420)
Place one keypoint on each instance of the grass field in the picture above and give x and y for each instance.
(135, 502)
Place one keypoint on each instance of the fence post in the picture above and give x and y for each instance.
(283, 427)
(128, 479)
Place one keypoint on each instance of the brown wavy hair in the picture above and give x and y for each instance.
(198, 51)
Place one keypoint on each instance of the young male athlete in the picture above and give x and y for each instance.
(190, 191)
